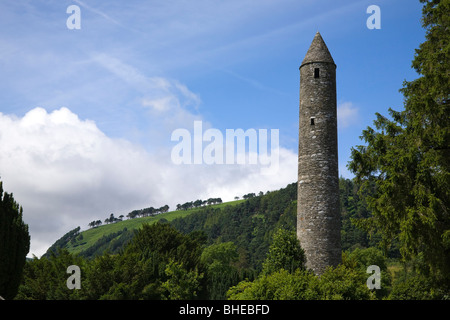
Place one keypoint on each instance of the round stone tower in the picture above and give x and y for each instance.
(318, 216)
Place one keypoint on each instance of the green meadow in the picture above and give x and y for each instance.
(88, 238)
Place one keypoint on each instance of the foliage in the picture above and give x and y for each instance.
(221, 271)
(414, 282)
(406, 158)
(141, 269)
(63, 241)
(280, 285)
(14, 244)
(419, 287)
(231, 243)
(146, 212)
(253, 223)
(340, 283)
(112, 243)
(181, 284)
(93, 240)
(352, 208)
(398, 201)
(343, 283)
(99, 276)
(362, 258)
(45, 278)
(205, 258)
(284, 276)
(198, 203)
(248, 224)
(157, 260)
(284, 253)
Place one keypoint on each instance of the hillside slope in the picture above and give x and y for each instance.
(114, 236)
(249, 224)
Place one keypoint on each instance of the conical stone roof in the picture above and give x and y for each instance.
(318, 52)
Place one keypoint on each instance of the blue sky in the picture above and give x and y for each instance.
(86, 115)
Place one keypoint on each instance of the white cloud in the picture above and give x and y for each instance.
(160, 104)
(158, 93)
(65, 172)
(347, 114)
(130, 74)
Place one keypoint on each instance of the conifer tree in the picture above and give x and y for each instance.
(14, 244)
(408, 155)
(284, 253)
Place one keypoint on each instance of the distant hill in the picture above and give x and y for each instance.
(248, 223)
(114, 236)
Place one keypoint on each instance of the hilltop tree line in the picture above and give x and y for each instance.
(211, 201)
(198, 203)
(151, 211)
(146, 212)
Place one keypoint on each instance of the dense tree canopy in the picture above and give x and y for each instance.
(407, 156)
(284, 253)
(248, 250)
(14, 244)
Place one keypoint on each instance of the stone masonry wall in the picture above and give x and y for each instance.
(318, 219)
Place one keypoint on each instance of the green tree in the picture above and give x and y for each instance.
(360, 259)
(46, 278)
(279, 285)
(219, 260)
(99, 276)
(338, 283)
(418, 287)
(223, 254)
(352, 206)
(343, 283)
(407, 156)
(284, 253)
(14, 244)
(158, 254)
(181, 283)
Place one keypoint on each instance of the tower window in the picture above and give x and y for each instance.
(316, 72)
(312, 121)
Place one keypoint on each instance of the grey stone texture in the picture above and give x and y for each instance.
(318, 215)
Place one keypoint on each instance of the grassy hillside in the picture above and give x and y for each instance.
(249, 224)
(123, 229)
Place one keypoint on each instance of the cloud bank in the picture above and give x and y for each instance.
(66, 172)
